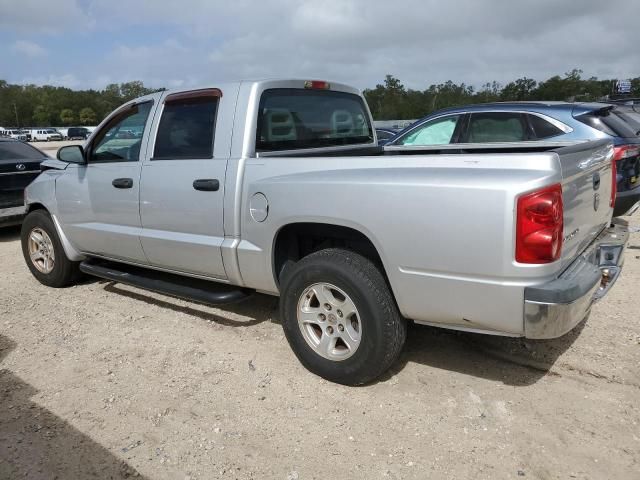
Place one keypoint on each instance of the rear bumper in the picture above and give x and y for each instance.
(556, 307)
(626, 202)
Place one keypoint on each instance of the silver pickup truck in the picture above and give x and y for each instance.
(279, 187)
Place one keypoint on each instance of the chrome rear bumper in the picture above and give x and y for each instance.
(556, 307)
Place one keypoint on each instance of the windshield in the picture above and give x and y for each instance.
(293, 119)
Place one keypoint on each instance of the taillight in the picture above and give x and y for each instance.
(625, 151)
(539, 226)
(614, 181)
(317, 85)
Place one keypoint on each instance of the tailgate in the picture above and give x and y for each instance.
(586, 194)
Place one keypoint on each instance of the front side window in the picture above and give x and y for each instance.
(436, 132)
(187, 126)
(492, 127)
(294, 119)
(542, 128)
(115, 142)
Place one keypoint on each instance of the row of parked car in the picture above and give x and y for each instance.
(42, 134)
(501, 124)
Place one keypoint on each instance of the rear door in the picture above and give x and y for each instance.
(183, 182)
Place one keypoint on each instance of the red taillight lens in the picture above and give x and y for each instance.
(539, 226)
(625, 151)
(317, 85)
(614, 181)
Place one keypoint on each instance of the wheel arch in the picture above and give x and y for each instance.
(71, 252)
(294, 241)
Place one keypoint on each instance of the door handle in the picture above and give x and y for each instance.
(123, 183)
(206, 184)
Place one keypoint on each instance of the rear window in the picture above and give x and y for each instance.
(19, 151)
(293, 119)
(542, 128)
(609, 121)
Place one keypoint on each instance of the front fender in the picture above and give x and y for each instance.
(41, 193)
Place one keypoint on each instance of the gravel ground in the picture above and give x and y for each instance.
(106, 381)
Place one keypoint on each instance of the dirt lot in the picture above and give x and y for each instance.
(106, 381)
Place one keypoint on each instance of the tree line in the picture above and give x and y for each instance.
(31, 105)
(43, 106)
(392, 101)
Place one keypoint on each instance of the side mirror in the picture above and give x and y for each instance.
(72, 154)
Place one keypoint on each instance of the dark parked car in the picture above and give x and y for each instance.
(19, 165)
(78, 133)
(504, 123)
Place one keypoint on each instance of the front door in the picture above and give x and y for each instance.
(182, 186)
(98, 203)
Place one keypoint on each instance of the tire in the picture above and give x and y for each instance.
(63, 272)
(373, 341)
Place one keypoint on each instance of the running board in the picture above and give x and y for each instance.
(201, 291)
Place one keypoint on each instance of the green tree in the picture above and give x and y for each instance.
(67, 116)
(87, 116)
(40, 116)
(521, 89)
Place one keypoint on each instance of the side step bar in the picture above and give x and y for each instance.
(201, 291)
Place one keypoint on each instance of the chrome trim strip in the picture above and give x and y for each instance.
(20, 172)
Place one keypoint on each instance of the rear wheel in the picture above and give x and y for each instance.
(43, 252)
(340, 317)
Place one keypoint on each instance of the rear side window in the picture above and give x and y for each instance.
(19, 151)
(493, 127)
(187, 126)
(609, 121)
(542, 128)
(294, 119)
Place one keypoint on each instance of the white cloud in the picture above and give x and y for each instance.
(68, 80)
(37, 16)
(357, 41)
(30, 49)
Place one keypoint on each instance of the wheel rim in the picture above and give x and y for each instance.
(329, 321)
(41, 250)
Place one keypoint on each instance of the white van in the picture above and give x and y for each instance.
(15, 134)
(45, 135)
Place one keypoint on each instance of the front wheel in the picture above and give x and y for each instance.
(340, 317)
(43, 252)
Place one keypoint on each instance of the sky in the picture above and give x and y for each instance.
(181, 43)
